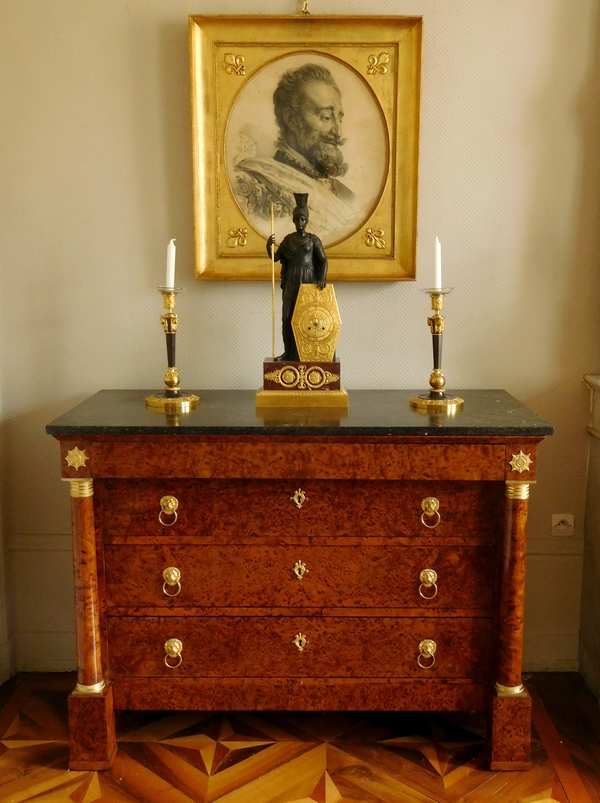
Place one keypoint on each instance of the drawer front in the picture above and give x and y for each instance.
(270, 647)
(231, 510)
(273, 457)
(300, 576)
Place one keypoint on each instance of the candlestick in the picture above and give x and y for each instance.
(437, 265)
(437, 398)
(170, 278)
(172, 400)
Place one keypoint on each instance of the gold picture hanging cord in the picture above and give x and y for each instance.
(272, 283)
(305, 7)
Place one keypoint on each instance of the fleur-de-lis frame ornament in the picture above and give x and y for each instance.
(378, 64)
(234, 64)
(374, 237)
(237, 237)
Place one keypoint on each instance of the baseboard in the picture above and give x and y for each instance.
(589, 666)
(40, 587)
(44, 651)
(551, 652)
(551, 665)
(5, 667)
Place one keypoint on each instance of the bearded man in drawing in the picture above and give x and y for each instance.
(308, 159)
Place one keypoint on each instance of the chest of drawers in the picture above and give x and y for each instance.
(225, 562)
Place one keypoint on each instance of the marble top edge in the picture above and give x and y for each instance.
(374, 413)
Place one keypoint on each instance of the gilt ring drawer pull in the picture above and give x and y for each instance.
(428, 578)
(300, 569)
(427, 650)
(173, 648)
(430, 507)
(168, 507)
(300, 641)
(171, 576)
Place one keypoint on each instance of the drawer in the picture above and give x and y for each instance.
(300, 576)
(232, 510)
(265, 647)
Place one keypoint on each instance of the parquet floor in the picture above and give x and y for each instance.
(283, 757)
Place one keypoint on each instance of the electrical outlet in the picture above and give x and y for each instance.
(563, 524)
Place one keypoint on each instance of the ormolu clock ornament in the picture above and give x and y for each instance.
(307, 373)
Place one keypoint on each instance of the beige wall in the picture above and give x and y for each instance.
(95, 177)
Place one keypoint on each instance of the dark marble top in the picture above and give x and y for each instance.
(233, 412)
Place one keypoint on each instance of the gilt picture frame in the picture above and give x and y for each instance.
(327, 106)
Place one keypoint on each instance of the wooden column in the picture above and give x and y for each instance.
(511, 707)
(512, 589)
(89, 659)
(91, 715)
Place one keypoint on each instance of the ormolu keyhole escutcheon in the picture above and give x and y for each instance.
(299, 498)
(300, 569)
(300, 641)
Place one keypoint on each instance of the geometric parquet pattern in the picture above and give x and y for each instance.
(264, 757)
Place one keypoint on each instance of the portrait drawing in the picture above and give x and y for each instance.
(301, 140)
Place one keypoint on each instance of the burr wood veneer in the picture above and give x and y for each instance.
(313, 570)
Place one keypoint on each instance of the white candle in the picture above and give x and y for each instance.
(170, 280)
(437, 266)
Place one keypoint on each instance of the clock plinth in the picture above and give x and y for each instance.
(299, 398)
(301, 384)
(301, 375)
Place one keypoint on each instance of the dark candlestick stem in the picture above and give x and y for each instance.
(437, 351)
(171, 349)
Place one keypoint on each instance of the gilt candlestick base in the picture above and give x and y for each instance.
(172, 400)
(437, 399)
